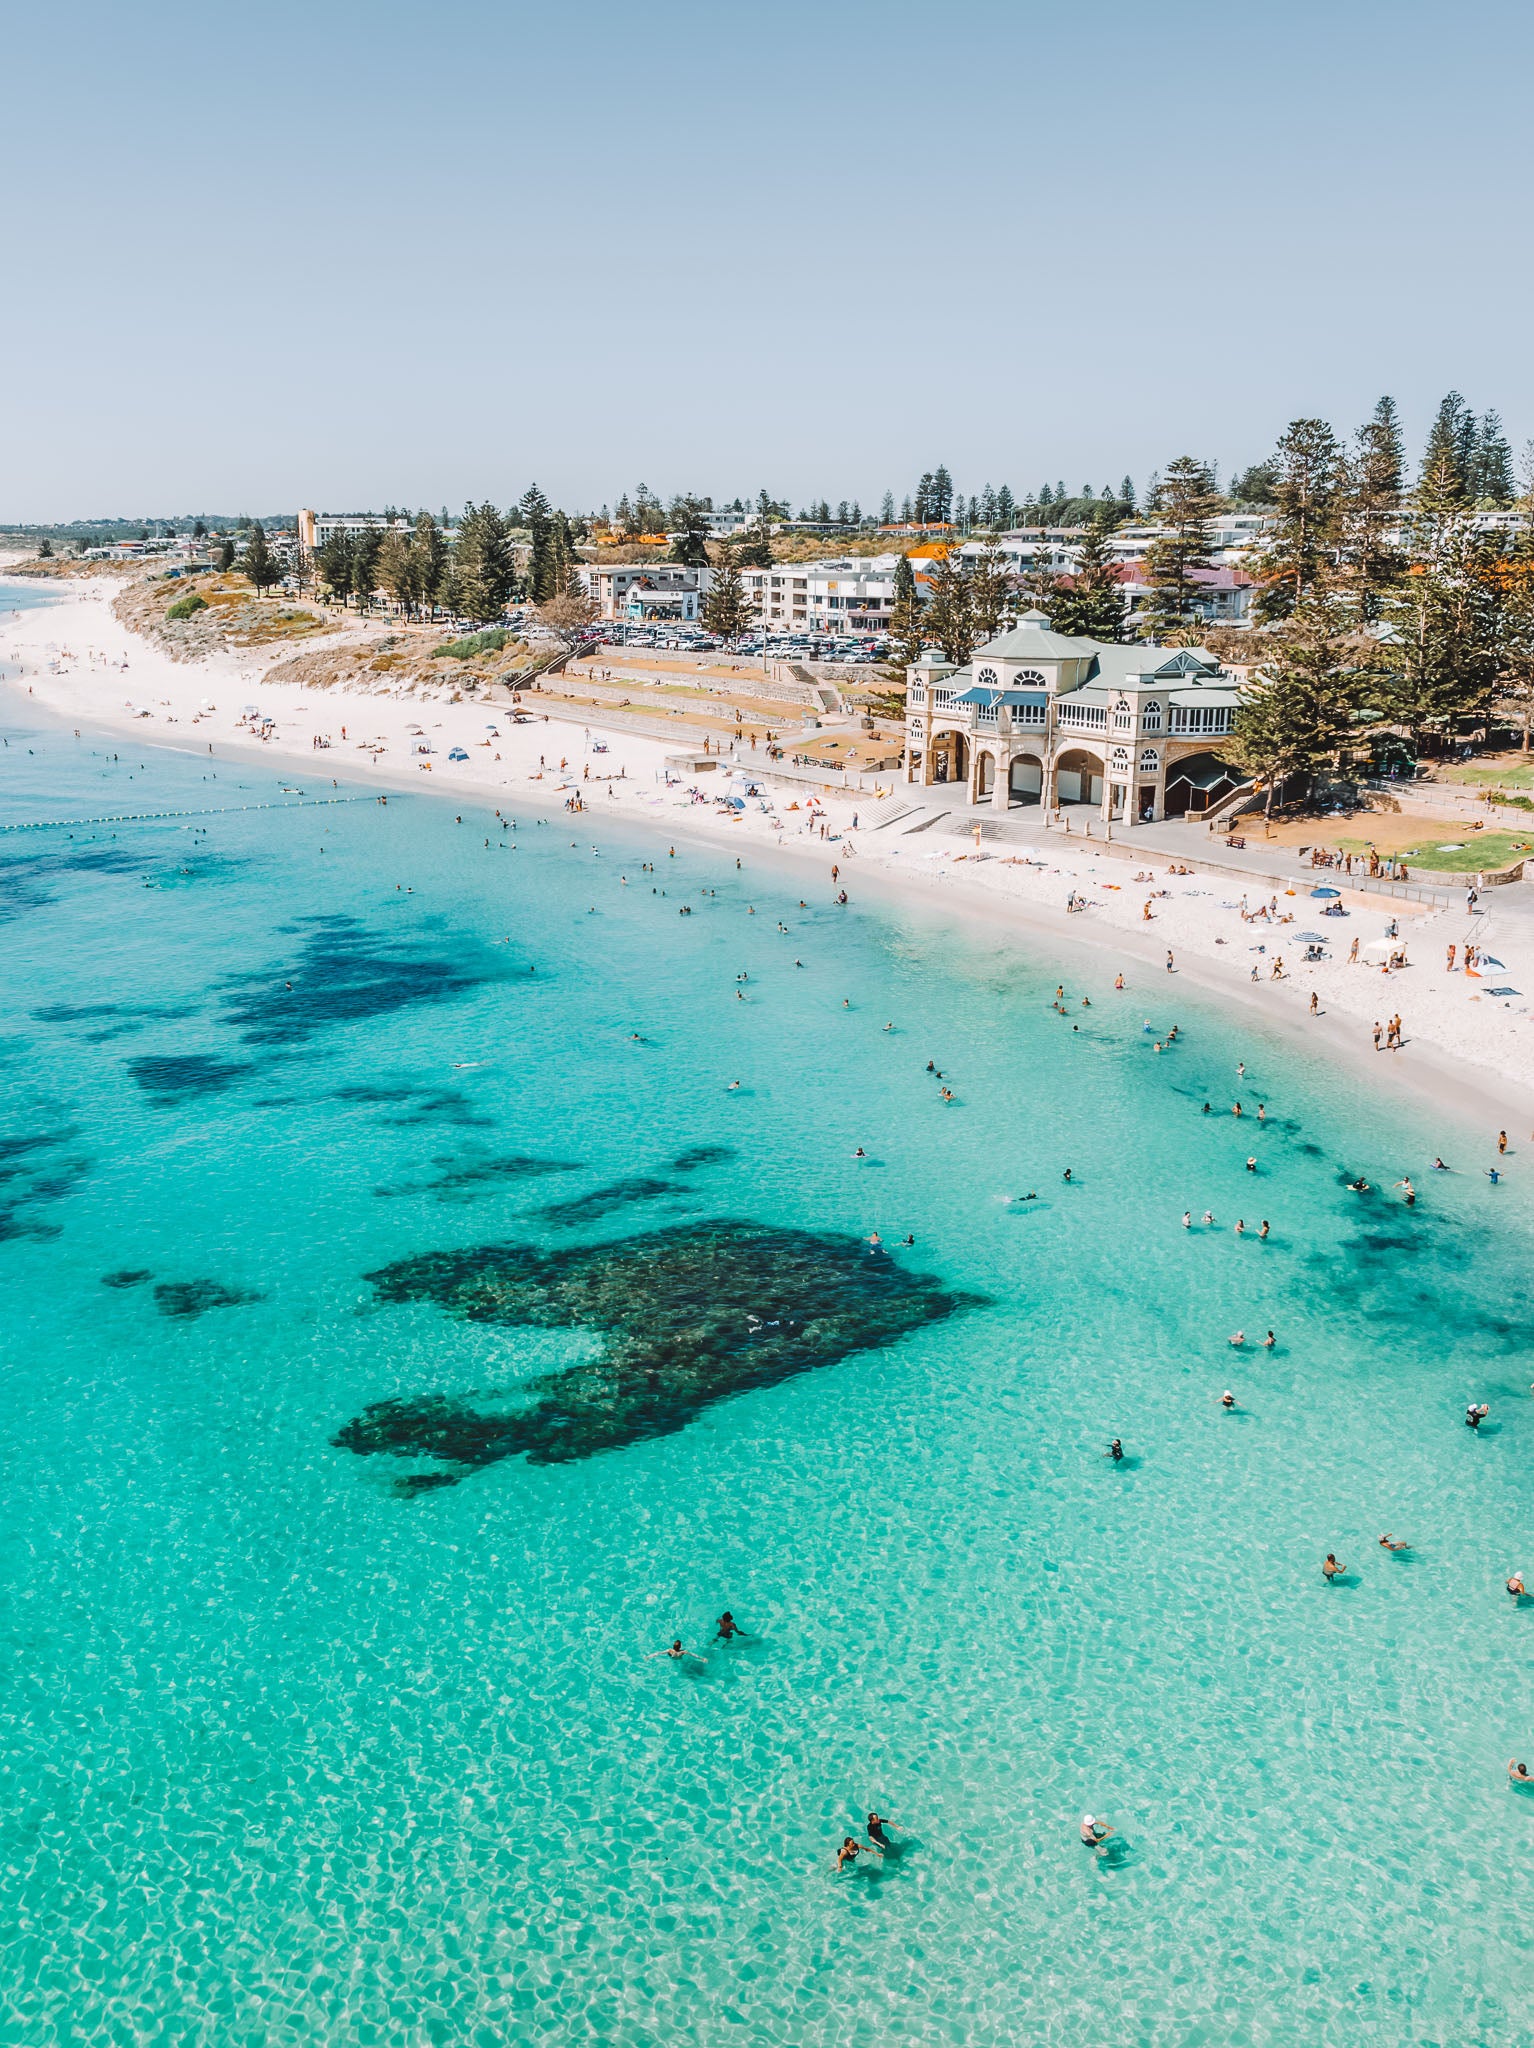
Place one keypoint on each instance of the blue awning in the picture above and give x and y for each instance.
(994, 697)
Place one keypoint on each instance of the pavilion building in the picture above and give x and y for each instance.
(1037, 717)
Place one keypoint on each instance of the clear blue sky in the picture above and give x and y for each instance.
(342, 254)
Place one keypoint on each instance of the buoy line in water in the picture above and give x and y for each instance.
(155, 817)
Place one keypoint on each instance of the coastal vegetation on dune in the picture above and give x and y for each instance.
(212, 613)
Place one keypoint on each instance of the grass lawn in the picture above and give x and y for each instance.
(1449, 856)
(1490, 776)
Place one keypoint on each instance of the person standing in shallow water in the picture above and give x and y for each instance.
(877, 1823)
(729, 1627)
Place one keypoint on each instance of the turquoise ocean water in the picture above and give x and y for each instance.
(294, 1752)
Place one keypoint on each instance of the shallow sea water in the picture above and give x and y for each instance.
(290, 1753)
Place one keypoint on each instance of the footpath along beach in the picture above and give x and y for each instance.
(1462, 1044)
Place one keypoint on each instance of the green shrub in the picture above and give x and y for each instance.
(184, 607)
(488, 642)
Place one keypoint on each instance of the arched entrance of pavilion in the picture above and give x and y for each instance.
(1079, 778)
(947, 758)
(1025, 779)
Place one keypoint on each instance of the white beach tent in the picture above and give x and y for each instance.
(1376, 951)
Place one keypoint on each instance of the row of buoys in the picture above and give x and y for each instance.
(154, 817)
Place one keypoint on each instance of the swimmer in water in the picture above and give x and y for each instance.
(1476, 1414)
(1439, 1167)
(1238, 1338)
(1241, 1226)
(677, 1653)
(1066, 1175)
(1519, 1773)
(1332, 1569)
(1251, 1162)
(1264, 1230)
(1208, 1216)
(1187, 1219)
(1516, 1589)
(1115, 1451)
(1205, 1109)
(729, 1627)
(1270, 1340)
(1359, 1186)
(860, 1153)
(1408, 1191)
(850, 1851)
(1492, 1175)
(877, 1823)
(1227, 1400)
(1093, 1832)
(1389, 1542)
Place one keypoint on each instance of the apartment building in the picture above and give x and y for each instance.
(851, 596)
(646, 590)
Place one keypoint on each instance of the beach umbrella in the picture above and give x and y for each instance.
(1310, 939)
(1326, 892)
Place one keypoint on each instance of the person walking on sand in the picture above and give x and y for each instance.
(1502, 1141)
(1378, 1034)
(1353, 955)
(1449, 962)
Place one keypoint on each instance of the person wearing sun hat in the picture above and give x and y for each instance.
(1093, 1832)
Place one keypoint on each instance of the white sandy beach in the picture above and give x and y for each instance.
(1462, 1044)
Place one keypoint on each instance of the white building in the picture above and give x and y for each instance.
(1040, 717)
(646, 590)
(852, 596)
(315, 528)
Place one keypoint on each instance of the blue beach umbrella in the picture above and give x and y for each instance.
(1326, 892)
